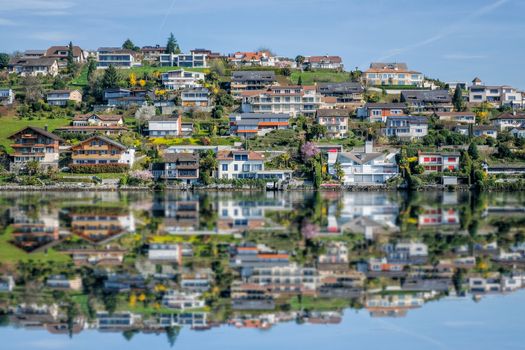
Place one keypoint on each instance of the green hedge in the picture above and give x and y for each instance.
(98, 168)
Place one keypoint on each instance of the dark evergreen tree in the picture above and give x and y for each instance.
(172, 46)
(110, 79)
(457, 99)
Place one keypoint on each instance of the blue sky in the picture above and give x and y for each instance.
(496, 322)
(448, 39)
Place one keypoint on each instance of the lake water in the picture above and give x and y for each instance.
(262, 270)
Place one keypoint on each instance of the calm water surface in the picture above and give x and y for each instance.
(262, 270)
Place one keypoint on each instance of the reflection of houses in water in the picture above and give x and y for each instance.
(395, 305)
(235, 216)
(367, 213)
(99, 225)
(438, 217)
(35, 230)
(179, 216)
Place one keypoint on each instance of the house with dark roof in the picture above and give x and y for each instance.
(101, 150)
(335, 121)
(323, 62)
(161, 126)
(251, 80)
(347, 94)
(249, 125)
(61, 53)
(406, 127)
(427, 101)
(33, 66)
(177, 166)
(364, 167)
(34, 144)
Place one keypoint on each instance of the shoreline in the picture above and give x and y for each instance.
(220, 188)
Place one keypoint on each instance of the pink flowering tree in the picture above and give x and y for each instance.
(309, 230)
(309, 151)
(139, 176)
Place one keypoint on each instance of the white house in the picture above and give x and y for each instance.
(181, 79)
(495, 95)
(160, 126)
(7, 284)
(7, 96)
(182, 301)
(240, 164)
(165, 252)
(364, 167)
(509, 120)
(406, 127)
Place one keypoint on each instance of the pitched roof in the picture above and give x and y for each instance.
(31, 62)
(345, 88)
(105, 139)
(53, 51)
(40, 131)
(454, 114)
(510, 116)
(359, 157)
(319, 59)
(100, 116)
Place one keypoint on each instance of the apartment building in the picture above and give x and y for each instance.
(116, 57)
(152, 53)
(181, 79)
(335, 121)
(347, 95)
(323, 62)
(251, 80)
(294, 100)
(427, 101)
(379, 112)
(183, 167)
(457, 117)
(196, 97)
(439, 161)
(184, 60)
(34, 144)
(248, 125)
(495, 95)
(406, 127)
(392, 74)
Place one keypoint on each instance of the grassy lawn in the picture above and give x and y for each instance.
(9, 254)
(89, 176)
(309, 78)
(318, 304)
(81, 80)
(10, 125)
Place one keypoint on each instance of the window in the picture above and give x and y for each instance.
(246, 167)
(225, 167)
(235, 167)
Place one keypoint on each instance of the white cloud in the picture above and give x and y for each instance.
(35, 5)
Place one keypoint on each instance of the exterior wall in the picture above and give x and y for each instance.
(394, 78)
(118, 60)
(283, 100)
(61, 99)
(98, 151)
(7, 97)
(181, 79)
(183, 60)
(164, 128)
(32, 146)
(438, 163)
(235, 169)
(336, 127)
(380, 114)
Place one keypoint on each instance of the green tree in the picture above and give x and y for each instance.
(4, 60)
(129, 45)
(299, 60)
(172, 46)
(457, 99)
(91, 68)
(172, 333)
(111, 78)
(504, 151)
(59, 84)
(473, 151)
(339, 172)
(300, 80)
(466, 165)
(71, 68)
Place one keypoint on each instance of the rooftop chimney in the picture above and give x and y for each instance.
(369, 146)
